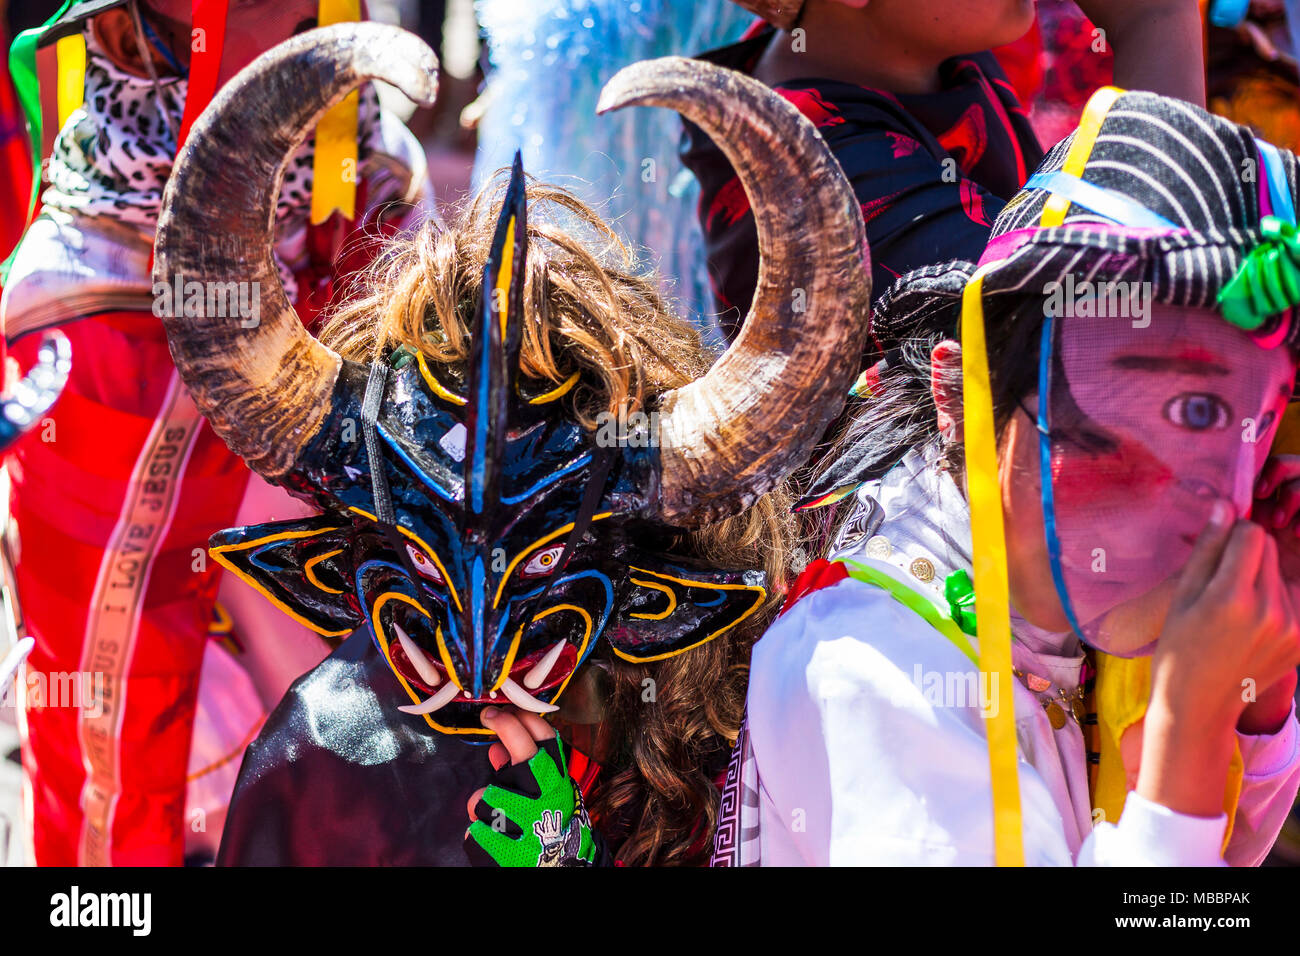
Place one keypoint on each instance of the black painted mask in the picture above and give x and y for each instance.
(485, 539)
(481, 590)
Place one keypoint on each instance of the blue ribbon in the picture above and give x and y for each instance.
(1103, 202)
(1045, 473)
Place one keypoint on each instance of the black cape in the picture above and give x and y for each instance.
(340, 777)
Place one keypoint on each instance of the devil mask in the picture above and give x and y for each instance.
(484, 538)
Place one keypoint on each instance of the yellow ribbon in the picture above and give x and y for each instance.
(71, 51)
(1085, 138)
(334, 170)
(992, 593)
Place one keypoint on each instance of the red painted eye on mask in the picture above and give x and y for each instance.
(543, 562)
(424, 565)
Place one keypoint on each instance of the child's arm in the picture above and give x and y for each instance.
(1158, 44)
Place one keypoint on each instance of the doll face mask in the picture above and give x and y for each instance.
(1146, 428)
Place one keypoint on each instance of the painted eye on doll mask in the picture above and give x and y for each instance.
(543, 562)
(1198, 412)
(424, 565)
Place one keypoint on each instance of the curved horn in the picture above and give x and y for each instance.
(38, 391)
(266, 389)
(755, 416)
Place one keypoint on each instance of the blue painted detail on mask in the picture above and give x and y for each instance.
(356, 583)
(548, 481)
(598, 626)
(420, 473)
(477, 475)
(477, 599)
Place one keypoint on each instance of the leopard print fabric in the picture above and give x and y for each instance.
(113, 156)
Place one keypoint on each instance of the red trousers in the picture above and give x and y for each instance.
(114, 497)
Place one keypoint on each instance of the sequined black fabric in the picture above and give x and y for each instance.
(340, 777)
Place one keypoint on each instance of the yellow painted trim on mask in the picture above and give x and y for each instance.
(218, 554)
(585, 640)
(445, 655)
(989, 550)
(436, 386)
(558, 392)
(514, 645)
(446, 579)
(502, 298)
(71, 53)
(1085, 139)
(382, 637)
(510, 659)
(335, 166)
(758, 602)
(672, 601)
(533, 547)
(311, 575)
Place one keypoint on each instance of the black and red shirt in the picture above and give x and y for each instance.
(931, 170)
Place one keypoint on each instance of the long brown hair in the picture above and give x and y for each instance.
(587, 309)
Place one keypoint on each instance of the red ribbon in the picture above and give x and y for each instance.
(205, 64)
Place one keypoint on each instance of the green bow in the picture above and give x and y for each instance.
(960, 592)
(1268, 280)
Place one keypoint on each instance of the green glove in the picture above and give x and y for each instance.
(532, 815)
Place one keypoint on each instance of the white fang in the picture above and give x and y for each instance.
(524, 700)
(537, 675)
(419, 660)
(436, 702)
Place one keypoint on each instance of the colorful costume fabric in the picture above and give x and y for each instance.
(15, 159)
(1074, 61)
(931, 171)
(1161, 306)
(114, 506)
